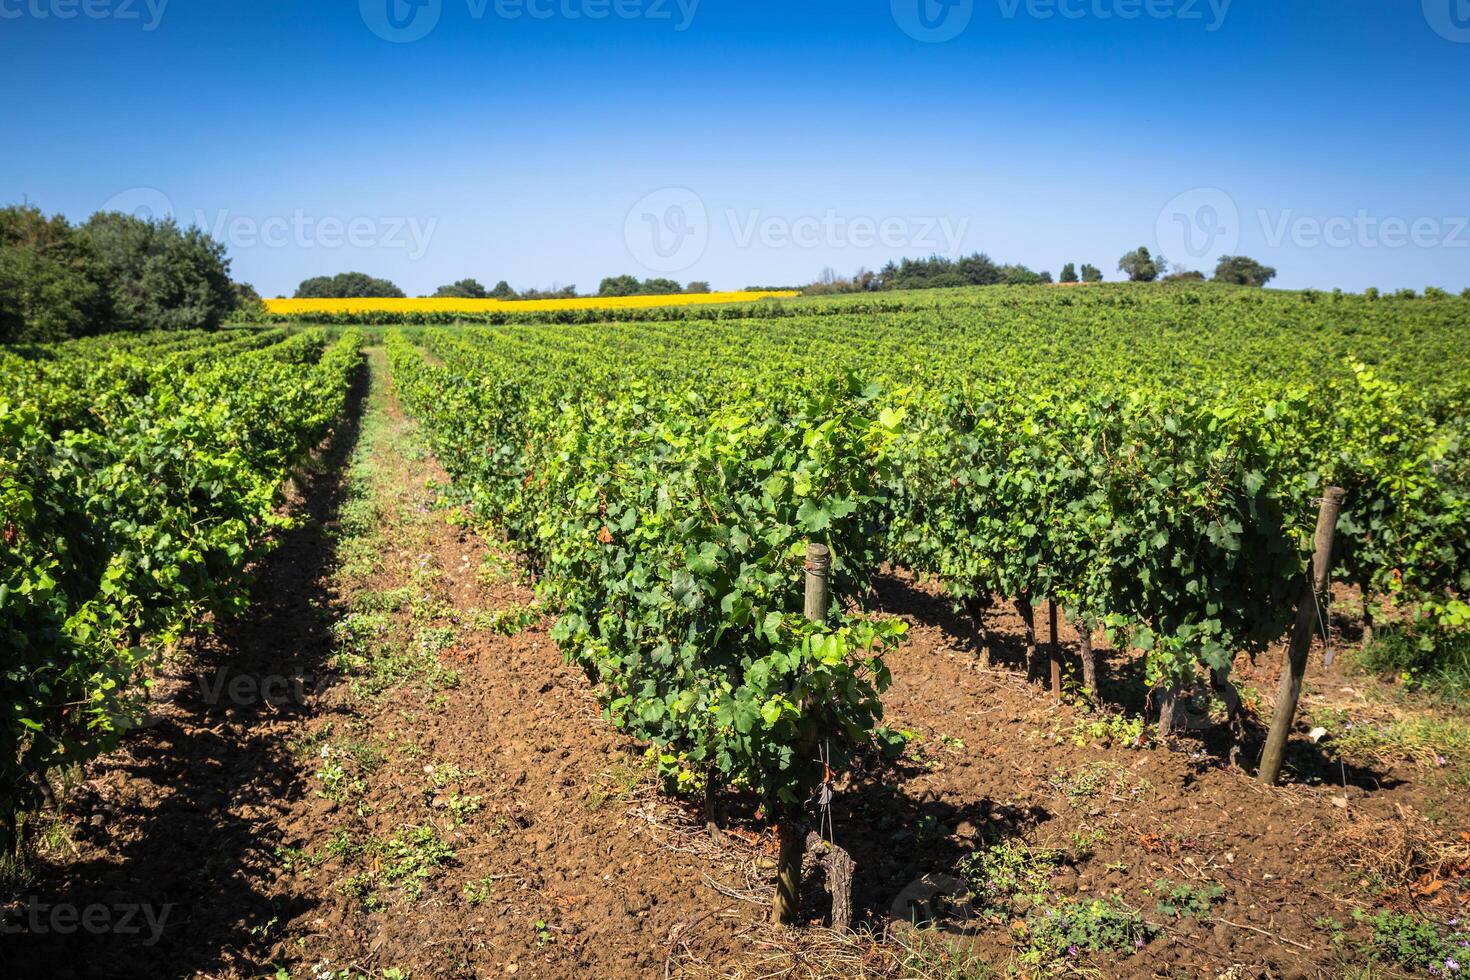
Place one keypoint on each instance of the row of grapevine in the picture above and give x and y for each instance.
(1181, 519)
(130, 515)
(671, 535)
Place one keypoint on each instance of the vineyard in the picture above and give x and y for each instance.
(952, 607)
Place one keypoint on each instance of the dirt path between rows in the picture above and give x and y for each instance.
(431, 792)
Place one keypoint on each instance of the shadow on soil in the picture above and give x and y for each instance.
(907, 843)
(185, 883)
(1124, 687)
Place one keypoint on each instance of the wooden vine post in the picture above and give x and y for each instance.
(1307, 614)
(789, 832)
(1089, 659)
(1056, 650)
(1027, 612)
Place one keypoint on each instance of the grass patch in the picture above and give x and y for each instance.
(1412, 942)
(1108, 731)
(1426, 658)
(402, 863)
(1072, 929)
(506, 622)
(413, 856)
(385, 601)
(1434, 744)
(615, 784)
(1010, 877)
(1186, 900)
(1094, 780)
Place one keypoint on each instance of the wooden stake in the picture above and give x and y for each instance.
(818, 565)
(1055, 650)
(1295, 668)
(1028, 620)
(711, 807)
(786, 904)
(1089, 659)
(975, 607)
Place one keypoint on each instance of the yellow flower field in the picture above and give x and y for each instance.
(452, 305)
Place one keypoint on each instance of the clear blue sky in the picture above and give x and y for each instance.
(775, 138)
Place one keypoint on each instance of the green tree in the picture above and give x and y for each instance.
(1020, 275)
(1091, 273)
(464, 289)
(1243, 271)
(555, 292)
(1069, 273)
(618, 286)
(1141, 266)
(247, 301)
(348, 285)
(502, 291)
(698, 286)
(162, 277)
(630, 286)
(51, 285)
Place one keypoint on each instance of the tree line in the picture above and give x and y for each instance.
(940, 272)
(1238, 270)
(934, 272)
(115, 272)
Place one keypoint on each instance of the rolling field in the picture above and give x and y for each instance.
(452, 641)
